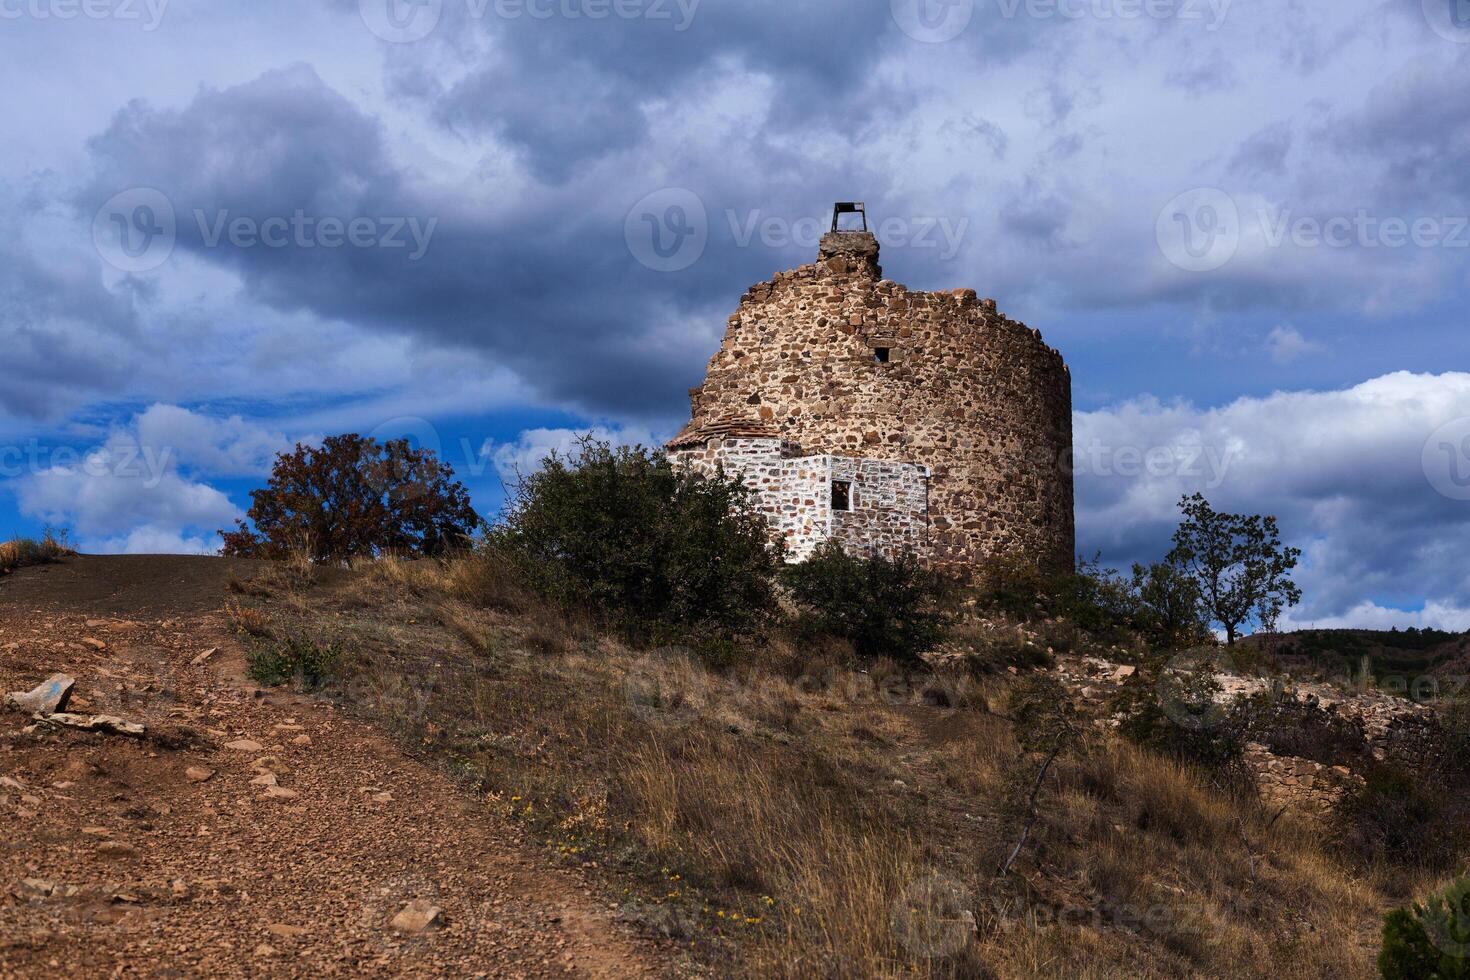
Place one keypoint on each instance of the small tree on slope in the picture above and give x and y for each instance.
(1239, 563)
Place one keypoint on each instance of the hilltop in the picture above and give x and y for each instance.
(574, 806)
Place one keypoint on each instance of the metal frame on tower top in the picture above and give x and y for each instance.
(849, 207)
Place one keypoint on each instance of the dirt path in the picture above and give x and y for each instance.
(174, 855)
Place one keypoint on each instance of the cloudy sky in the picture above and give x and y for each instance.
(489, 224)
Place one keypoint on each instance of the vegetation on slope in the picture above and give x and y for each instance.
(20, 552)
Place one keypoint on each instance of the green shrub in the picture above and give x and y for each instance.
(1158, 603)
(1175, 710)
(1429, 941)
(1288, 725)
(1398, 816)
(660, 555)
(883, 607)
(991, 650)
(298, 658)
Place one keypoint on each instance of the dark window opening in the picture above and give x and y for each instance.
(880, 355)
(841, 495)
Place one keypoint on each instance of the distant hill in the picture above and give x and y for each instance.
(1387, 654)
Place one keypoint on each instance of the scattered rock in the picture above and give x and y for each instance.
(279, 793)
(383, 797)
(301, 740)
(35, 887)
(198, 774)
(283, 931)
(418, 915)
(97, 831)
(265, 949)
(94, 723)
(117, 849)
(50, 696)
(264, 779)
(244, 745)
(203, 657)
(94, 643)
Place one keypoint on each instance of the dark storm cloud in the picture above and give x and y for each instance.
(549, 286)
(1264, 153)
(63, 336)
(568, 91)
(1413, 133)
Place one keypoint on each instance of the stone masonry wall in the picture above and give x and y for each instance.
(889, 500)
(890, 506)
(976, 397)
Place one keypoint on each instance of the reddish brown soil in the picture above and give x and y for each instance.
(113, 862)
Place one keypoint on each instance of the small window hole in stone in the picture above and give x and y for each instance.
(880, 355)
(841, 495)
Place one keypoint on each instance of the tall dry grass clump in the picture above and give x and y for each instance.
(19, 552)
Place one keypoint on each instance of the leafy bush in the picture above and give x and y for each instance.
(1041, 713)
(1176, 711)
(1398, 816)
(660, 554)
(1429, 941)
(1158, 603)
(883, 607)
(294, 658)
(990, 650)
(1166, 607)
(1288, 725)
(355, 497)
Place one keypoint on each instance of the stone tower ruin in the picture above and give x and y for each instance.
(887, 419)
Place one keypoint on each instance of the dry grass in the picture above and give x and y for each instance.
(247, 620)
(19, 552)
(834, 823)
